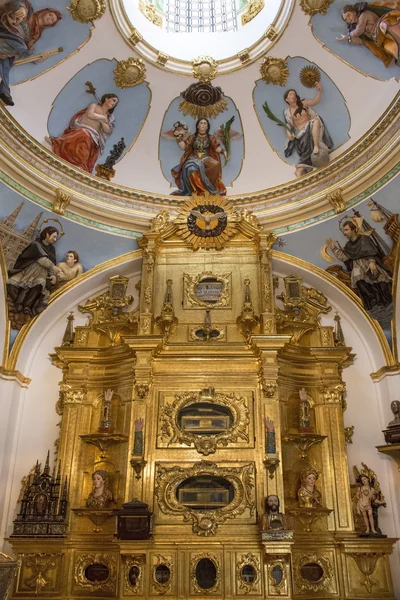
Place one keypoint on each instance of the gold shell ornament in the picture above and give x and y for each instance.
(86, 11)
(129, 73)
(274, 70)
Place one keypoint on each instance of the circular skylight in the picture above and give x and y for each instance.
(172, 33)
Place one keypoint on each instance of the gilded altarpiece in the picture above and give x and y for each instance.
(161, 410)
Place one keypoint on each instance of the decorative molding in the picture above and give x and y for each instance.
(205, 444)
(205, 523)
(14, 375)
(244, 56)
(84, 561)
(366, 562)
(39, 564)
(190, 282)
(129, 73)
(162, 588)
(305, 585)
(193, 579)
(271, 33)
(253, 8)
(337, 201)
(86, 11)
(61, 201)
(311, 7)
(254, 561)
(149, 11)
(205, 68)
(162, 58)
(135, 37)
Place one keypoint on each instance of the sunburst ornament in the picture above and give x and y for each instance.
(206, 222)
(129, 73)
(274, 70)
(309, 76)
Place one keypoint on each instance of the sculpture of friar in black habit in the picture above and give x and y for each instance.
(34, 274)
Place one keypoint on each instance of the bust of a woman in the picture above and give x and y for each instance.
(309, 496)
(100, 496)
(395, 406)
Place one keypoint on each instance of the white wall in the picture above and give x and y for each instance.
(29, 419)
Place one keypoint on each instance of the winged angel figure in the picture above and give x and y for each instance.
(200, 169)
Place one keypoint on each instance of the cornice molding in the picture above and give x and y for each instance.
(358, 172)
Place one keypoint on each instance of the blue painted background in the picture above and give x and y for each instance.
(93, 247)
(306, 243)
(328, 27)
(130, 113)
(170, 153)
(332, 107)
(67, 34)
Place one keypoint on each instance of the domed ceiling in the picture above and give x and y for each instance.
(103, 103)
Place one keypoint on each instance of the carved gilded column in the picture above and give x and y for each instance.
(266, 284)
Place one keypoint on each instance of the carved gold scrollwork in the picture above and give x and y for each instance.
(162, 587)
(172, 431)
(86, 11)
(253, 8)
(191, 300)
(84, 561)
(278, 588)
(61, 201)
(366, 562)
(193, 566)
(39, 564)
(138, 561)
(253, 561)
(205, 523)
(129, 73)
(142, 389)
(150, 13)
(300, 560)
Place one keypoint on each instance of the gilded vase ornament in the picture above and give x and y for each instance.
(86, 11)
(274, 70)
(129, 73)
(309, 76)
(311, 7)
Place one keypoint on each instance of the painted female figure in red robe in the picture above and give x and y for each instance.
(87, 133)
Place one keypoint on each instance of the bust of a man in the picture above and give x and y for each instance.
(395, 406)
(272, 518)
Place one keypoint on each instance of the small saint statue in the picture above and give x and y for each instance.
(368, 501)
(272, 518)
(100, 496)
(305, 415)
(106, 418)
(308, 495)
(270, 436)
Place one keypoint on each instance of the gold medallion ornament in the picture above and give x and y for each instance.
(86, 11)
(309, 76)
(205, 68)
(274, 70)
(129, 73)
(311, 7)
(206, 222)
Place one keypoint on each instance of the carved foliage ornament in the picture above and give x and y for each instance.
(134, 562)
(205, 523)
(311, 7)
(162, 587)
(86, 11)
(253, 8)
(191, 297)
(248, 560)
(205, 68)
(172, 431)
(193, 567)
(274, 70)
(129, 73)
(84, 561)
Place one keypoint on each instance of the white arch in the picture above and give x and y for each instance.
(31, 414)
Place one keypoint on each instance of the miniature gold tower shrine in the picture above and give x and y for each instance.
(190, 404)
